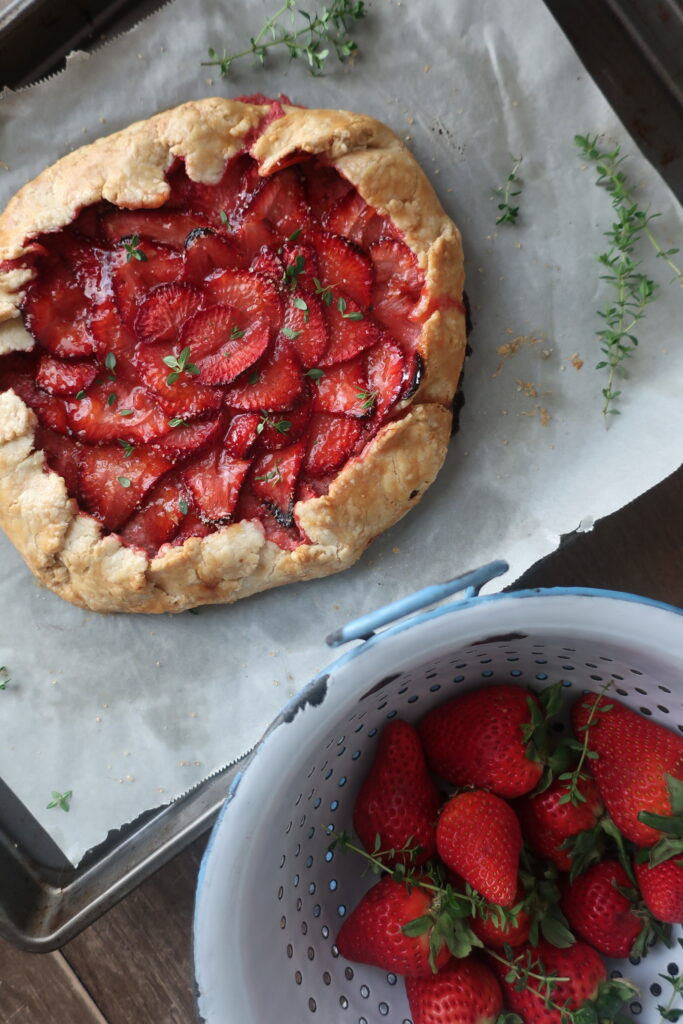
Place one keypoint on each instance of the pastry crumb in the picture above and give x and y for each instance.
(161, 789)
(98, 718)
(544, 416)
(576, 361)
(396, 551)
(427, 67)
(527, 387)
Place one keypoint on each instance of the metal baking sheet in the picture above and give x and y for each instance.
(631, 48)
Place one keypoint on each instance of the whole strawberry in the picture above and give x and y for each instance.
(463, 992)
(634, 757)
(549, 819)
(662, 889)
(600, 912)
(580, 964)
(478, 836)
(498, 930)
(373, 933)
(398, 801)
(478, 740)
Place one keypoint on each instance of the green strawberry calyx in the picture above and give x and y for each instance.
(671, 843)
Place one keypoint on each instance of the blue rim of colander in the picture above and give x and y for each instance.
(364, 629)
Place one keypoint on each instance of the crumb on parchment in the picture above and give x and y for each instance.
(509, 348)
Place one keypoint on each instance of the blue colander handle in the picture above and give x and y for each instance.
(364, 627)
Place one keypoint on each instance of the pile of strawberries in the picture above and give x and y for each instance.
(219, 358)
(501, 898)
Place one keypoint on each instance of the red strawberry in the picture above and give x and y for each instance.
(479, 837)
(110, 332)
(56, 312)
(252, 295)
(324, 186)
(221, 347)
(494, 931)
(241, 436)
(280, 201)
(372, 934)
(476, 740)
(662, 889)
(158, 518)
(463, 992)
(182, 398)
(601, 914)
(332, 440)
(352, 218)
(224, 197)
(164, 226)
(398, 800)
(386, 370)
(62, 377)
(267, 263)
(579, 963)
(87, 224)
(274, 478)
(17, 372)
(301, 266)
(132, 278)
(278, 430)
(191, 526)
(112, 484)
(344, 268)
(252, 237)
(164, 310)
(214, 480)
(306, 327)
(635, 755)
(350, 331)
(207, 252)
(274, 383)
(132, 414)
(396, 290)
(62, 455)
(548, 823)
(344, 389)
(185, 438)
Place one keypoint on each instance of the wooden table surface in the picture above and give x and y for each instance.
(133, 966)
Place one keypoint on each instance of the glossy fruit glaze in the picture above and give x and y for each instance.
(221, 357)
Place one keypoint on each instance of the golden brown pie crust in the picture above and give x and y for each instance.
(67, 549)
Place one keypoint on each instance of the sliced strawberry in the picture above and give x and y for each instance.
(252, 236)
(274, 113)
(281, 202)
(159, 516)
(301, 266)
(221, 347)
(324, 186)
(352, 218)
(313, 487)
(242, 434)
(250, 507)
(184, 398)
(386, 372)
(206, 252)
(191, 526)
(181, 187)
(167, 227)
(267, 263)
(87, 223)
(132, 414)
(61, 377)
(185, 438)
(164, 310)
(274, 478)
(344, 389)
(225, 197)
(250, 294)
(350, 330)
(396, 291)
(277, 430)
(133, 278)
(214, 480)
(112, 485)
(275, 382)
(306, 327)
(413, 375)
(111, 334)
(62, 455)
(344, 268)
(17, 371)
(56, 313)
(332, 440)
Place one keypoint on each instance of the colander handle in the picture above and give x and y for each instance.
(364, 627)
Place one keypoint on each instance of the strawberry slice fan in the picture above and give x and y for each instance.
(428, 743)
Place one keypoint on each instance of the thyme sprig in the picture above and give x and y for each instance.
(61, 800)
(668, 1010)
(179, 365)
(4, 677)
(311, 40)
(505, 193)
(633, 290)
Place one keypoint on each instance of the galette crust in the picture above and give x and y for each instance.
(67, 549)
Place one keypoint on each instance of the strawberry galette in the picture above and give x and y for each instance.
(230, 342)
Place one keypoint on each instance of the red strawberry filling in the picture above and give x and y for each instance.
(219, 358)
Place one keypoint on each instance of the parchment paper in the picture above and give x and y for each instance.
(128, 712)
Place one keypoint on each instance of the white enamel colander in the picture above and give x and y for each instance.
(271, 898)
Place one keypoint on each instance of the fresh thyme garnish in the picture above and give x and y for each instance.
(634, 289)
(110, 363)
(254, 377)
(667, 1011)
(282, 426)
(128, 448)
(315, 373)
(509, 213)
(182, 505)
(294, 235)
(4, 677)
(180, 364)
(176, 421)
(290, 333)
(302, 305)
(368, 398)
(312, 41)
(80, 394)
(133, 250)
(574, 778)
(60, 800)
(273, 474)
(111, 398)
(126, 412)
(223, 216)
(124, 481)
(324, 293)
(237, 332)
(292, 271)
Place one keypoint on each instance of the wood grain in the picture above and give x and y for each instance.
(42, 990)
